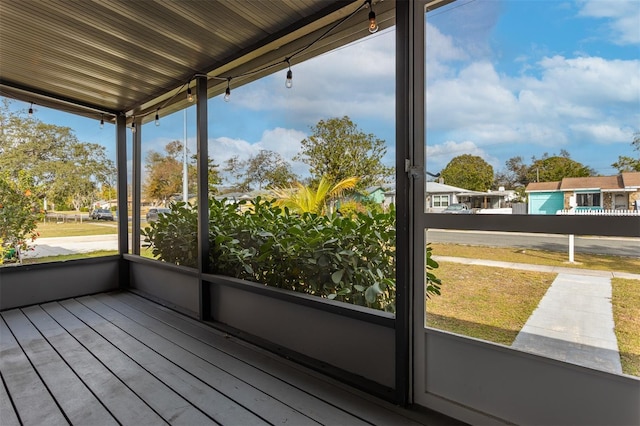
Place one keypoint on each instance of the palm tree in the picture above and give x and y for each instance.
(306, 199)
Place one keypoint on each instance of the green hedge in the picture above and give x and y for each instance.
(347, 259)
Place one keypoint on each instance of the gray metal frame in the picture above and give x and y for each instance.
(136, 186)
(202, 136)
(482, 382)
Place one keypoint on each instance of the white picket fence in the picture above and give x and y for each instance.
(599, 212)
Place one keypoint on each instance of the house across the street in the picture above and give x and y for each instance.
(619, 192)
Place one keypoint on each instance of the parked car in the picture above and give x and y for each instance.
(101, 214)
(153, 213)
(457, 209)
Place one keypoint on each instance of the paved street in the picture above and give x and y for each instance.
(615, 246)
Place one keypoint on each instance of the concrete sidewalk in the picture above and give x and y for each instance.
(574, 323)
(69, 245)
(574, 320)
(541, 268)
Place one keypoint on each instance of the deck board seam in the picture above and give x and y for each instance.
(69, 365)
(35, 370)
(207, 329)
(92, 356)
(80, 300)
(10, 398)
(99, 360)
(226, 371)
(128, 356)
(213, 365)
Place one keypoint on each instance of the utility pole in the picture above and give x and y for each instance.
(185, 177)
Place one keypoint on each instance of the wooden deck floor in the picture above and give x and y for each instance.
(120, 359)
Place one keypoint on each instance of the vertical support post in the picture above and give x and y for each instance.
(121, 184)
(404, 206)
(136, 187)
(185, 169)
(571, 247)
(121, 195)
(202, 136)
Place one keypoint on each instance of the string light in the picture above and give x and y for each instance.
(31, 109)
(227, 92)
(289, 81)
(133, 126)
(102, 121)
(189, 94)
(373, 25)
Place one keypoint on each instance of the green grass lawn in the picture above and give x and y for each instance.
(73, 256)
(539, 257)
(69, 229)
(144, 252)
(493, 304)
(485, 302)
(626, 315)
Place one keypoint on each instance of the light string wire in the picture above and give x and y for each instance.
(286, 60)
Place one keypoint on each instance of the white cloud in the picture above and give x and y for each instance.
(564, 95)
(442, 50)
(603, 133)
(438, 156)
(357, 80)
(623, 18)
(285, 142)
(591, 80)
(476, 95)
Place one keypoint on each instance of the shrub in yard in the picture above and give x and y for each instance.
(350, 259)
(19, 214)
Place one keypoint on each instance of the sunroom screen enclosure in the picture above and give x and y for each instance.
(125, 61)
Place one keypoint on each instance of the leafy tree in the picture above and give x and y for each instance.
(555, 168)
(514, 174)
(313, 199)
(268, 169)
(630, 164)
(234, 170)
(337, 150)
(62, 169)
(19, 213)
(165, 173)
(468, 171)
(108, 192)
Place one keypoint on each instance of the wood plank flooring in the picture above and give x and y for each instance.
(120, 359)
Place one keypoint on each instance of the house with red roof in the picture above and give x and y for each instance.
(620, 192)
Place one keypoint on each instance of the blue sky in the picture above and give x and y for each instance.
(504, 79)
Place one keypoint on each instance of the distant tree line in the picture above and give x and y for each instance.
(336, 151)
(60, 169)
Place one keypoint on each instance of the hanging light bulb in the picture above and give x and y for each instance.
(31, 109)
(289, 81)
(189, 93)
(227, 92)
(133, 126)
(102, 121)
(373, 25)
(157, 117)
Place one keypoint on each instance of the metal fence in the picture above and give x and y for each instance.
(599, 212)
